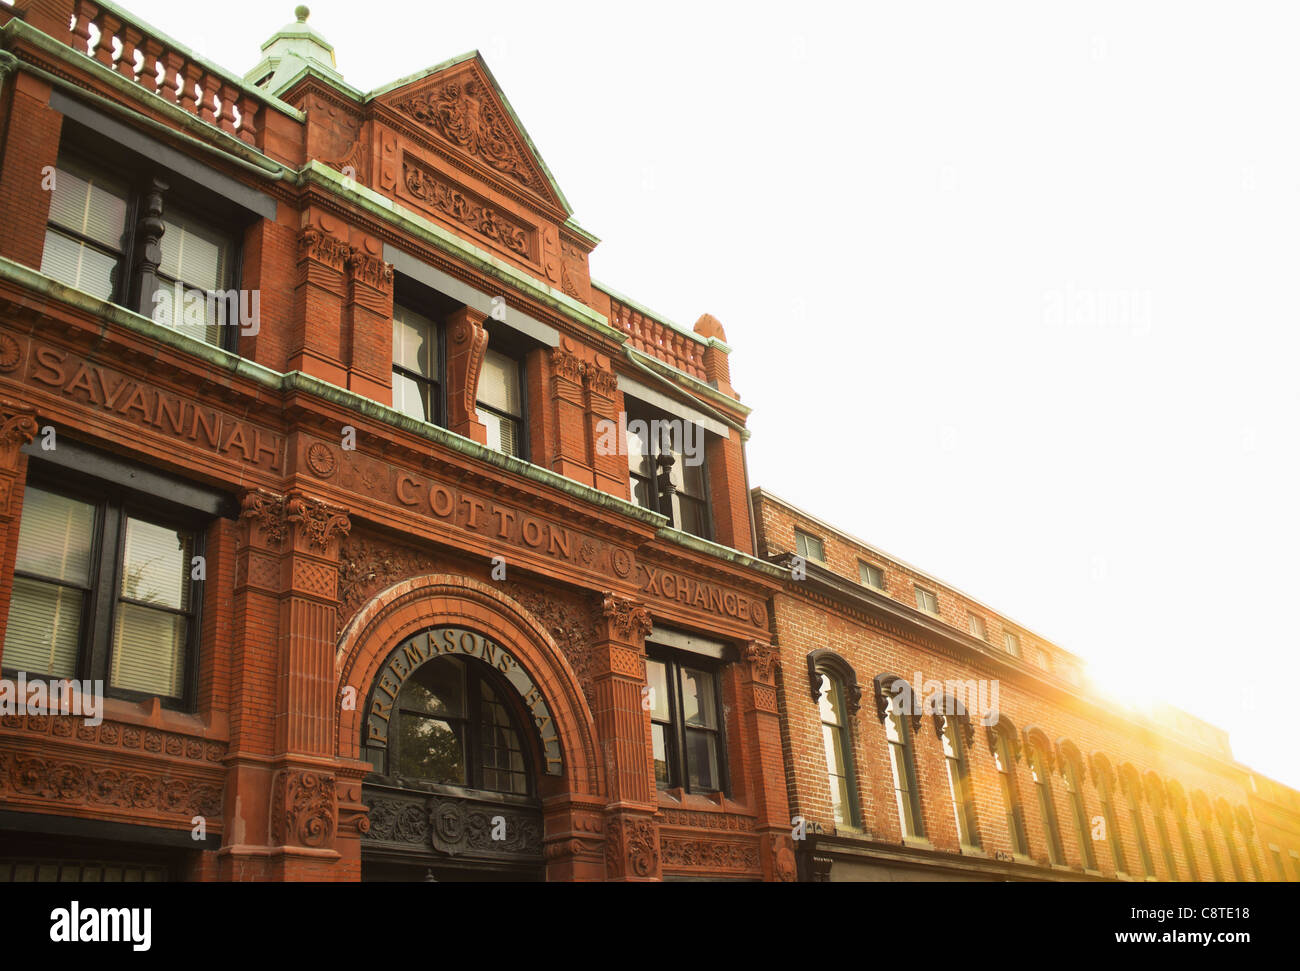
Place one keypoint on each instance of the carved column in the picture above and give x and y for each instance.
(149, 232)
(304, 808)
(315, 347)
(466, 345)
(623, 726)
(368, 330)
(18, 426)
(569, 413)
(761, 725)
(604, 403)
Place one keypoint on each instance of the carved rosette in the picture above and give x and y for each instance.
(632, 848)
(627, 619)
(318, 523)
(265, 510)
(303, 808)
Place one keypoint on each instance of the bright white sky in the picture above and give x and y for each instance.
(1011, 287)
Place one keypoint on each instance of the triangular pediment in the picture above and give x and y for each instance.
(461, 106)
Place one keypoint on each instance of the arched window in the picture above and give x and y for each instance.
(835, 689)
(1178, 804)
(1039, 751)
(1247, 828)
(454, 724)
(1072, 772)
(1224, 813)
(895, 708)
(836, 740)
(1158, 799)
(1004, 745)
(953, 727)
(1103, 776)
(1132, 789)
(1201, 806)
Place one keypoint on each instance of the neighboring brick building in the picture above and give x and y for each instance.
(369, 589)
(1042, 780)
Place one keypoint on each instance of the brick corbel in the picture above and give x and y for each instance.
(467, 342)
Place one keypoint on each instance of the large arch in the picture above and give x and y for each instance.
(407, 608)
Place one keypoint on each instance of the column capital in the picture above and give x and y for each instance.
(626, 621)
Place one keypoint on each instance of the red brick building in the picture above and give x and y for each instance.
(401, 548)
(929, 737)
(369, 590)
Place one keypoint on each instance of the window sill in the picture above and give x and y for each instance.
(918, 843)
(152, 714)
(974, 851)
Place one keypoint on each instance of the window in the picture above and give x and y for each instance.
(103, 591)
(92, 244)
(1013, 643)
(1179, 804)
(1046, 805)
(1156, 795)
(927, 601)
(1040, 658)
(838, 744)
(417, 365)
(808, 546)
(665, 475)
(959, 784)
(686, 723)
(870, 575)
(1225, 822)
(976, 623)
(501, 403)
(898, 734)
(1129, 784)
(1015, 816)
(86, 239)
(1103, 776)
(1080, 813)
(1277, 862)
(453, 726)
(1201, 806)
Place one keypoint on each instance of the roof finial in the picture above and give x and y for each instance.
(302, 12)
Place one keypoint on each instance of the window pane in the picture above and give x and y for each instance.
(702, 757)
(78, 265)
(412, 398)
(698, 699)
(498, 384)
(657, 680)
(502, 433)
(89, 205)
(415, 342)
(639, 457)
(662, 777)
(55, 537)
(690, 515)
(43, 630)
(156, 565)
(829, 701)
(437, 688)
(195, 254)
(432, 749)
(148, 651)
(502, 755)
(194, 315)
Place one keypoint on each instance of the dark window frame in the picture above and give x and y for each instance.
(113, 506)
(438, 399)
(503, 342)
(637, 409)
(96, 154)
(678, 766)
(476, 672)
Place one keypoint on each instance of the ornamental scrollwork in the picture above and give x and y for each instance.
(627, 619)
(318, 521)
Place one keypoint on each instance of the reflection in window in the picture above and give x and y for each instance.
(417, 367)
(686, 725)
(837, 743)
(959, 784)
(898, 733)
(501, 403)
(453, 726)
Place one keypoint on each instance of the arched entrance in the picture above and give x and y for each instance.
(471, 718)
